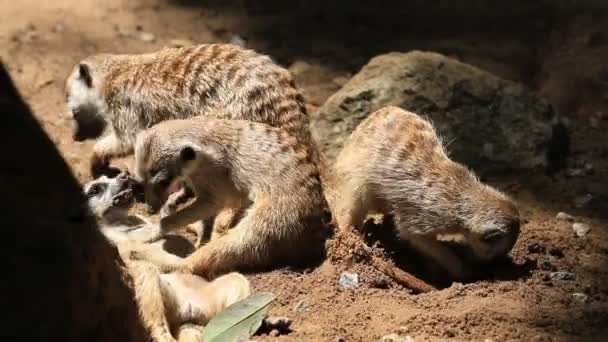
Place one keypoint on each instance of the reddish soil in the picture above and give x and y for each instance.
(562, 56)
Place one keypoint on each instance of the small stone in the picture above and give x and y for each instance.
(238, 40)
(301, 307)
(583, 201)
(147, 37)
(581, 229)
(274, 333)
(349, 280)
(562, 216)
(340, 339)
(580, 297)
(58, 28)
(561, 275)
(396, 338)
(180, 43)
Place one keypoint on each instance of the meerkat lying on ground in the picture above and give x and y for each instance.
(227, 162)
(394, 163)
(170, 304)
(129, 93)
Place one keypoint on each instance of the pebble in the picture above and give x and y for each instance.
(581, 229)
(562, 216)
(340, 339)
(349, 280)
(301, 307)
(580, 297)
(561, 275)
(397, 338)
(582, 201)
(147, 37)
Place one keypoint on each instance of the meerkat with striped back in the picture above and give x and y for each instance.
(126, 94)
(234, 161)
(395, 163)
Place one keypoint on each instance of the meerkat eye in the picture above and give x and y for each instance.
(95, 190)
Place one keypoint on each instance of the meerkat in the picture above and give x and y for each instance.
(227, 162)
(394, 163)
(125, 94)
(170, 304)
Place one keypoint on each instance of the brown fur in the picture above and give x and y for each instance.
(169, 304)
(227, 162)
(129, 93)
(394, 163)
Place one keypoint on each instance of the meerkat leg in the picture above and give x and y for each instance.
(189, 333)
(248, 244)
(148, 295)
(105, 149)
(441, 254)
(199, 210)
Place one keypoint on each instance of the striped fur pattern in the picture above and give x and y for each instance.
(395, 163)
(234, 161)
(125, 94)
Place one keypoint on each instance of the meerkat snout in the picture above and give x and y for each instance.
(85, 104)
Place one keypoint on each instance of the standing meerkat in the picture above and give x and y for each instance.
(227, 162)
(394, 163)
(125, 94)
(170, 304)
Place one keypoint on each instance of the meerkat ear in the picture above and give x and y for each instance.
(84, 72)
(188, 152)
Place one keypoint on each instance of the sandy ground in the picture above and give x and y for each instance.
(40, 41)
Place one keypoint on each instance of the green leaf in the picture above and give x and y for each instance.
(241, 319)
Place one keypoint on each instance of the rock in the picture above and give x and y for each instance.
(180, 43)
(238, 40)
(147, 37)
(397, 338)
(581, 229)
(479, 113)
(58, 28)
(582, 201)
(301, 307)
(349, 280)
(561, 275)
(562, 216)
(580, 297)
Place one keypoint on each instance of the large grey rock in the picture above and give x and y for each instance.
(483, 119)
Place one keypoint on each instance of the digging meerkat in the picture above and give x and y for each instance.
(170, 304)
(394, 163)
(227, 162)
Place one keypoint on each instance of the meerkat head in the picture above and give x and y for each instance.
(85, 102)
(111, 198)
(492, 221)
(162, 163)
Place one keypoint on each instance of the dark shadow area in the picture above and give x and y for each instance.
(63, 281)
(346, 34)
(383, 235)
